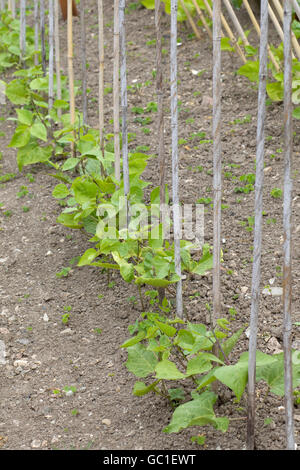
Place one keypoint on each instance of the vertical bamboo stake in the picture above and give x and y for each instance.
(259, 180)
(160, 120)
(217, 159)
(70, 69)
(175, 162)
(101, 75)
(51, 55)
(277, 25)
(287, 220)
(83, 63)
(42, 28)
(116, 90)
(22, 29)
(57, 54)
(36, 32)
(124, 106)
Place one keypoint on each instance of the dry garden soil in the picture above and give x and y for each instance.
(65, 386)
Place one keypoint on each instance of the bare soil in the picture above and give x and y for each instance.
(43, 354)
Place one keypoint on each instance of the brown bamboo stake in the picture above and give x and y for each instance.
(256, 26)
(236, 22)
(190, 20)
(83, 64)
(57, 54)
(202, 18)
(101, 75)
(228, 31)
(294, 39)
(70, 69)
(116, 91)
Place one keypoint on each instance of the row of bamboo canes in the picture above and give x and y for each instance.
(120, 96)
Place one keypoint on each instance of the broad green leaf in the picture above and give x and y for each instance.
(229, 344)
(126, 269)
(140, 361)
(70, 163)
(250, 70)
(39, 131)
(141, 389)
(156, 282)
(273, 374)
(296, 113)
(205, 264)
(25, 116)
(167, 370)
(185, 340)
(197, 412)
(235, 377)
(201, 363)
(68, 221)
(167, 329)
(84, 190)
(60, 191)
(135, 340)
(88, 256)
(33, 153)
(17, 93)
(20, 139)
(275, 91)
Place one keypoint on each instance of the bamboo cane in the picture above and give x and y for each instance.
(287, 224)
(101, 75)
(256, 26)
(259, 179)
(51, 55)
(175, 159)
(160, 121)
(217, 160)
(13, 8)
(70, 69)
(228, 31)
(36, 32)
(83, 63)
(277, 25)
(124, 108)
(64, 8)
(22, 29)
(190, 20)
(236, 22)
(42, 29)
(294, 39)
(296, 8)
(116, 90)
(57, 55)
(202, 18)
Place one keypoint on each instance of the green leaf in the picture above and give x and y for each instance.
(275, 91)
(88, 256)
(167, 370)
(141, 389)
(17, 92)
(68, 221)
(156, 282)
(70, 163)
(250, 70)
(296, 113)
(60, 191)
(229, 344)
(39, 131)
(197, 412)
(140, 361)
(20, 138)
(205, 264)
(201, 363)
(185, 340)
(33, 153)
(167, 329)
(84, 190)
(135, 340)
(126, 269)
(25, 116)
